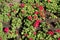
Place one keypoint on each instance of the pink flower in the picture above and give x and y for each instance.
(30, 38)
(57, 30)
(36, 12)
(25, 35)
(6, 30)
(34, 33)
(35, 17)
(38, 21)
(41, 8)
(36, 24)
(0, 38)
(17, 32)
(44, 11)
(59, 38)
(29, 17)
(10, 4)
(50, 32)
(22, 5)
(48, 1)
(8, 15)
(14, 11)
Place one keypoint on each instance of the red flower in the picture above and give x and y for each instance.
(59, 38)
(6, 30)
(25, 35)
(38, 21)
(36, 24)
(30, 38)
(29, 17)
(42, 14)
(8, 15)
(17, 32)
(22, 5)
(14, 11)
(0, 38)
(41, 8)
(10, 4)
(57, 30)
(34, 33)
(35, 17)
(36, 12)
(44, 11)
(48, 1)
(50, 32)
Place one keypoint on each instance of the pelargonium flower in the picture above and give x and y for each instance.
(25, 35)
(41, 8)
(59, 38)
(10, 4)
(29, 17)
(14, 11)
(50, 32)
(8, 15)
(38, 21)
(0, 38)
(44, 11)
(34, 33)
(36, 12)
(57, 30)
(48, 1)
(6, 29)
(17, 32)
(30, 38)
(42, 15)
(36, 24)
(22, 5)
(35, 17)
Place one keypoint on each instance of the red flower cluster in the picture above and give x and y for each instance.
(6, 30)
(22, 5)
(50, 32)
(36, 12)
(30, 38)
(59, 38)
(29, 17)
(36, 24)
(57, 30)
(41, 8)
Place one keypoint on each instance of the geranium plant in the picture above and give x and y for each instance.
(29, 20)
